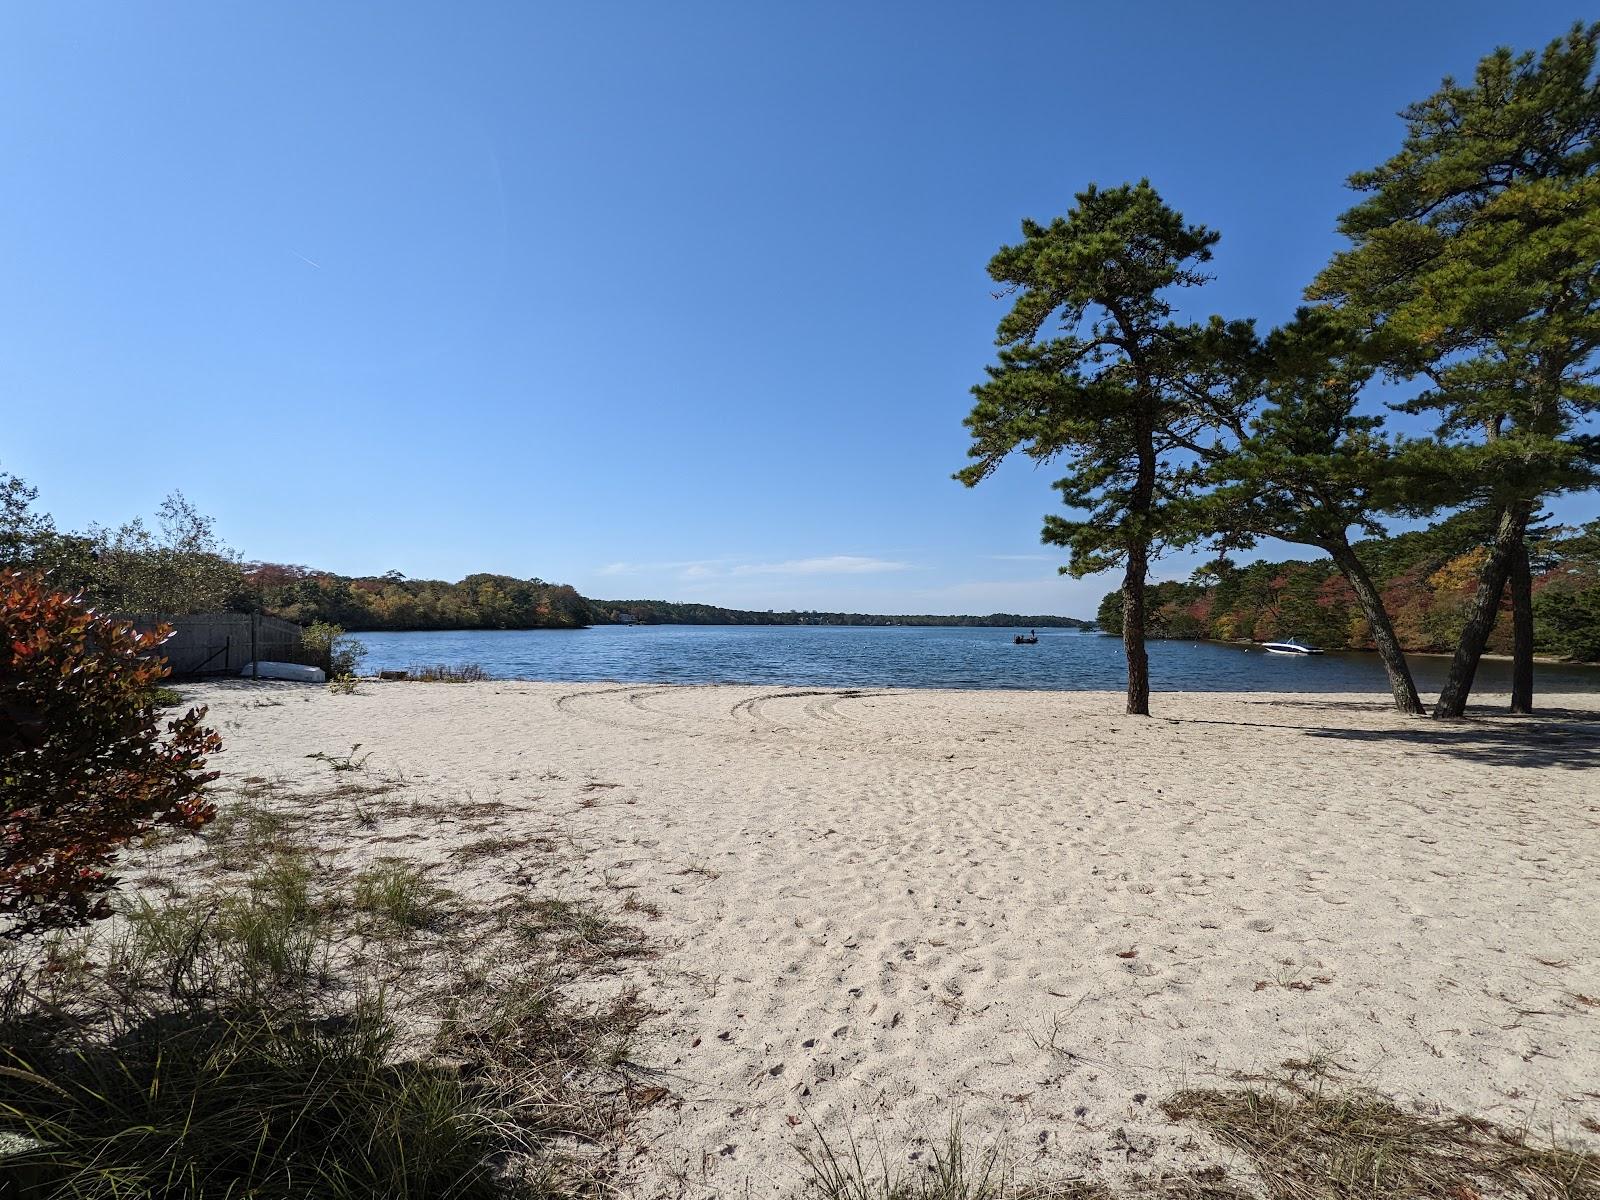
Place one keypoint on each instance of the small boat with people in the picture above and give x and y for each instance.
(1290, 647)
(1031, 640)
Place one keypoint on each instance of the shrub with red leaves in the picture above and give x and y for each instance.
(84, 764)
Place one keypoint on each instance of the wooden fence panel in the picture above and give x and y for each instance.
(222, 643)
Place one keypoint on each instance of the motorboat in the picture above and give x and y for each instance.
(1031, 640)
(1289, 647)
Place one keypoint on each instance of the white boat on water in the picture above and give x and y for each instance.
(1289, 647)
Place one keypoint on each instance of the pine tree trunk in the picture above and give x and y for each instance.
(1401, 685)
(1521, 583)
(1133, 614)
(1485, 607)
(1133, 632)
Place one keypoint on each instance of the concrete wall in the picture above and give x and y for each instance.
(221, 643)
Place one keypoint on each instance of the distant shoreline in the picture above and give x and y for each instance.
(1548, 660)
(1032, 622)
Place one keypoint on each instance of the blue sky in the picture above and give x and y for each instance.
(674, 301)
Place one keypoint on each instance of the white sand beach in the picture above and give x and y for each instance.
(880, 909)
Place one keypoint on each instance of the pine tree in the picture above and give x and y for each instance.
(1093, 369)
(1308, 468)
(1473, 261)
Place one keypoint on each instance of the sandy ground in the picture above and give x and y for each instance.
(879, 909)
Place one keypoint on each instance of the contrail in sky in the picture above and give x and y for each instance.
(304, 259)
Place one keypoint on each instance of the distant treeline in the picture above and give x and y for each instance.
(1427, 579)
(661, 612)
(178, 565)
(391, 601)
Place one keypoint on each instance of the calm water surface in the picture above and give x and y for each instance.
(830, 656)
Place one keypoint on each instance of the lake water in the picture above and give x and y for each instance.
(836, 656)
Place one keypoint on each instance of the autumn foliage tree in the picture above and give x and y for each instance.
(85, 766)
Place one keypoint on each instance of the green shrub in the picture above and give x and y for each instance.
(339, 654)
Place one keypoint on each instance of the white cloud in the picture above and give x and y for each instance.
(690, 569)
(832, 564)
(726, 568)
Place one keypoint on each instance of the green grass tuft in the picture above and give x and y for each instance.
(400, 894)
(956, 1173)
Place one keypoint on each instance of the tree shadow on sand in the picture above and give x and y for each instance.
(1562, 738)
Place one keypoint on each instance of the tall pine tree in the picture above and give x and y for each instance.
(1473, 260)
(1092, 369)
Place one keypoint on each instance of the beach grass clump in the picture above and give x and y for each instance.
(251, 831)
(245, 1103)
(844, 1170)
(575, 929)
(1304, 1143)
(447, 673)
(233, 1045)
(1329, 1144)
(848, 1171)
(559, 1058)
(206, 1053)
(400, 894)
